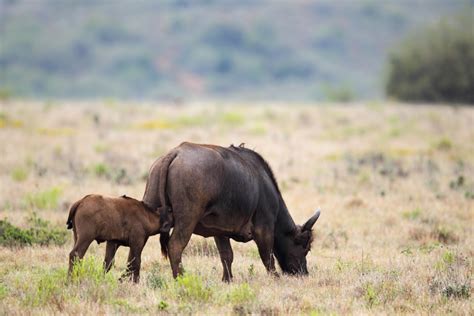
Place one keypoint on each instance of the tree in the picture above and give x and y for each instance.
(435, 65)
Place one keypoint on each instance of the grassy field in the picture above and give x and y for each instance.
(394, 182)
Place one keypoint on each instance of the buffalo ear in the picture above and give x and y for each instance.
(309, 224)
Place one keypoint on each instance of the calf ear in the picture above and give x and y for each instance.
(309, 224)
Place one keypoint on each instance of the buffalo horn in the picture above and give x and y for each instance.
(309, 224)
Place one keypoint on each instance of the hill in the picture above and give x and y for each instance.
(299, 50)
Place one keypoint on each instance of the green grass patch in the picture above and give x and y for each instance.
(192, 287)
(155, 124)
(155, 279)
(100, 170)
(442, 144)
(49, 288)
(19, 174)
(412, 215)
(258, 130)
(52, 287)
(47, 199)
(191, 120)
(452, 279)
(3, 291)
(232, 118)
(182, 121)
(89, 278)
(6, 121)
(101, 148)
(242, 293)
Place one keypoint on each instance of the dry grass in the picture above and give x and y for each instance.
(395, 184)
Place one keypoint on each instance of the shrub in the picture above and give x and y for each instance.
(13, 236)
(43, 233)
(435, 64)
(40, 232)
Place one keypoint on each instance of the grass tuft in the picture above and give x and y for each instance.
(240, 294)
(47, 199)
(191, 287)
(19, 174)
(452, 279)
(413, 214)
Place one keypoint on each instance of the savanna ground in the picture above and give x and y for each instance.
(395, 184)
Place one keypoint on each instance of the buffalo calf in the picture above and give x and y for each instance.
(121, 221)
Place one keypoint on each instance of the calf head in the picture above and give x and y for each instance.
(166, 218)
(291, 250)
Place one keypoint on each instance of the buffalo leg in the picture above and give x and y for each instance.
(110, 251)
(227, 256)
(178, 241)
(78, 252)
(264, 240)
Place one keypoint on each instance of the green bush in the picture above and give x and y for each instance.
(435, 65)
(44, 234)
(40, 232)
(12, 236)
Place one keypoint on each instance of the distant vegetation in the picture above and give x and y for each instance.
(435, 65)
(315, 50)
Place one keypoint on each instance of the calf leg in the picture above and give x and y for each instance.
(264, 240)
(110, 251)
(128, 271)
(227, 256)
(134, 258)
(78, 251)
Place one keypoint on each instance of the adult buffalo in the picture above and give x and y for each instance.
(226, 193)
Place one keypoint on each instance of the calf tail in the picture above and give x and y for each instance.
(164, 239)
(72, 213)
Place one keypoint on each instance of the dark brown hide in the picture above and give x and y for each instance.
(160, 203)
(228, 193)
(119, 221)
